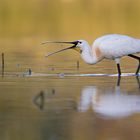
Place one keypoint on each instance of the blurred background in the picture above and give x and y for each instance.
(25, 24)
(68, 19)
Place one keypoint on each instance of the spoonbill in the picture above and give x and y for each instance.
(112, 46)
(109, 104)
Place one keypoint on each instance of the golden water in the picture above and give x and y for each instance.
(41, 107)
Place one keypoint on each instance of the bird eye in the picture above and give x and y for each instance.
(80, 42)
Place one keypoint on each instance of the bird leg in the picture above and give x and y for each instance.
(138, 81)
(118, 81)
(138, 58)
(119, 70)
(118, 66)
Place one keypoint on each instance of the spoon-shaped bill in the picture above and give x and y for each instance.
(60, 51)
(65, 42)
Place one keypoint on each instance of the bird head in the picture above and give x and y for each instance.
(76, 45)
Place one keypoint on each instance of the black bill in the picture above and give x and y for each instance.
(62, 42)
(72, 47)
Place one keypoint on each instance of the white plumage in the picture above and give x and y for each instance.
(113, 46)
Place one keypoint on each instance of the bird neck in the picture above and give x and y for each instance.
(88, 56)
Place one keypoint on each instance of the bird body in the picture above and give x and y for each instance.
(112, 46)
(115, 46)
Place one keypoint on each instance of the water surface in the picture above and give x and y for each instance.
(60, 101)
(40, 108)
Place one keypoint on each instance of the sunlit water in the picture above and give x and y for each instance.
(54, 98)
(59, 101)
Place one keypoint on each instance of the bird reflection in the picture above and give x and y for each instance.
(109, 104)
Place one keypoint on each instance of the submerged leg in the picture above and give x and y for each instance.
(138, 58)
(137, 72)
(118, 81)
(138, 81)
(117, 60)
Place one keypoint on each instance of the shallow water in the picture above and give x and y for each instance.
(40, 108)
(59, 101)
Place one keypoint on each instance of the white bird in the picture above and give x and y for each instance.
(109, 104)
(113, 47)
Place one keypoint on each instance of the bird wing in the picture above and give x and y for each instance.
(113, 46)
